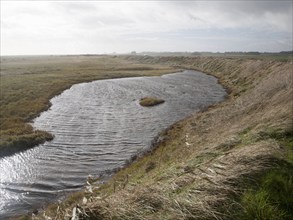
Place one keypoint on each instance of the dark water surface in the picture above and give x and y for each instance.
(97, 126)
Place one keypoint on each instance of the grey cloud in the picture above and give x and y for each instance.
(250, 6)
(258, 7)
(253, 9)
(146, 25)
(233, 8)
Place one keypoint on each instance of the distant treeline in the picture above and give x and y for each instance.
(287, 52)
(204, 53)
(258, 53)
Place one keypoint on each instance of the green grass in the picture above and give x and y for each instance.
(257, 206)
(272, 197)
(268, 195)
(28, 83)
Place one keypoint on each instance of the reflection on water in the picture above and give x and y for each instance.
(97, 126)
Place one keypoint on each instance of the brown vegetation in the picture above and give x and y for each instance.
(150, 101)
(28, 83)
(209, 165)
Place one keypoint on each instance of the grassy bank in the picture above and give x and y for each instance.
(231, 161)
(29, 82)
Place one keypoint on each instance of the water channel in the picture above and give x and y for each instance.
(97, 127)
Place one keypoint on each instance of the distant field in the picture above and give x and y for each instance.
(29, 82)
(282, 57)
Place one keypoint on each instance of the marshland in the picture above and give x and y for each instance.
(29, 82)
(237, 153)
(139, 110)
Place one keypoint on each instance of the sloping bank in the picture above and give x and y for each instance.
(232, 161)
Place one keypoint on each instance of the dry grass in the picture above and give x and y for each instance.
(150, 101)
(203, 164)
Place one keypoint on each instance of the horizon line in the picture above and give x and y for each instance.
(144, 52)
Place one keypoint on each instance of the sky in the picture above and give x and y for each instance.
(96, 27)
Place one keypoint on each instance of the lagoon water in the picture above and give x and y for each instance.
(97, 127)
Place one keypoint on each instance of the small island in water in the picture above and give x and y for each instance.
(150, 101)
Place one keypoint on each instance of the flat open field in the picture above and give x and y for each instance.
(29, 82)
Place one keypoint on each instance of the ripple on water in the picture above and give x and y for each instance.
(97, 127)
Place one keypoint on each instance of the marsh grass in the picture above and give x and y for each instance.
(150, 101)
(237, 164)
(271, 199)
(195, 184)
(28, 83)
(268, 194)
(258, 206)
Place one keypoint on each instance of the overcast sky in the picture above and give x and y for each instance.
(79, 27)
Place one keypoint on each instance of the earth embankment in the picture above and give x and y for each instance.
(212, 164)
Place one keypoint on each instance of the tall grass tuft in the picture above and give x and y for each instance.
(272, 199)
(279, 184)
(257, 205)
